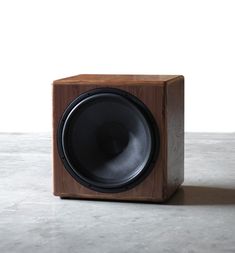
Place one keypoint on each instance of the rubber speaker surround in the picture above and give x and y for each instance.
(108, 140)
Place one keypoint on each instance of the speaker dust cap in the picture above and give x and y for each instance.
(108, 140)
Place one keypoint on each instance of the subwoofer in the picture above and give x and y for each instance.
(118, 137)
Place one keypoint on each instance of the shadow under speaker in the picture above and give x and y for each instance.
(118, 137)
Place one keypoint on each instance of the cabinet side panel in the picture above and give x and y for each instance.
(175, 134)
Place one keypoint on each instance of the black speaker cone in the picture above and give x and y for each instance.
(107, 140)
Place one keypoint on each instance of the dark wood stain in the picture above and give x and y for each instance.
(164, 96)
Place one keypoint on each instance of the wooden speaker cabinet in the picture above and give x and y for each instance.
(118, 137)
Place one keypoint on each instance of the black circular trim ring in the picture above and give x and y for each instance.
(154, 136)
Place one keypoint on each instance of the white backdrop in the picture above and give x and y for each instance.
(49, 39)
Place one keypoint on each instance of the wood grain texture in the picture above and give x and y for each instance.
(116, 79)
(174, 94)
(152, 91)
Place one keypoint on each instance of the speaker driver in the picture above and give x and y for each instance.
(108, 140)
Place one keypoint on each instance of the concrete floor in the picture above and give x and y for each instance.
(199, 218)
